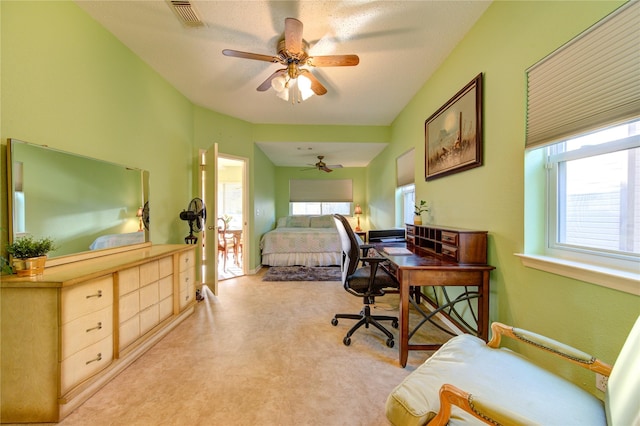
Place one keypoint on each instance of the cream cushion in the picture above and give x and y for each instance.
(501, 378)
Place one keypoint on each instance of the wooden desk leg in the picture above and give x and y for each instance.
(483, 307)
(404, 319)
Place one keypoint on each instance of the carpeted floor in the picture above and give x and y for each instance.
(302, 273)
(260, 353)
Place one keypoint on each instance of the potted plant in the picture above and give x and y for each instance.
(418, 210)
(28, 255)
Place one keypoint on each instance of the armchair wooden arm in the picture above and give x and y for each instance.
(566, 352)
(483, 411)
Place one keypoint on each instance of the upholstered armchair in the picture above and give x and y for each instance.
(470, 381)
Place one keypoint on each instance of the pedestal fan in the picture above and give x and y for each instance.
(196, 215)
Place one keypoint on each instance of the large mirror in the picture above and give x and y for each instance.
(82, 203)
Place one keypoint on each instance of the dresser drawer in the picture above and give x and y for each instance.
(128, 280)
(85, 298)
(165, 266)
(166, 308)
(129, 306)
(149, 295)
(86, 330)
(187, 278)
(165, 287)
(450, 238)
(149, 318)
(187, 260)
(186, 296)
(149, 272)
(85, 363)
(129, 331)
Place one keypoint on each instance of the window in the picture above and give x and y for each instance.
(582, 154)
(319, 208)
(594, 196)
(408, 202)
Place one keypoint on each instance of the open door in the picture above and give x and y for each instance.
(208, 184)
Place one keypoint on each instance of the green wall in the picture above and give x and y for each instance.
(509, 37)
(68, 83)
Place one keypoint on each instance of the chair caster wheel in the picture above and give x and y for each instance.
(390, 343)
(394, 324)
(347, 341)
(334, 322)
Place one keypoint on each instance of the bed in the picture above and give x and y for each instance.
(302, 240)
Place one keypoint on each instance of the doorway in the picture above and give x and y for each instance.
(231, 216)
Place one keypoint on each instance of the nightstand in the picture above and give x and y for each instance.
(362, 234)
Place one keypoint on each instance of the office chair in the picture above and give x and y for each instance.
(367, 281)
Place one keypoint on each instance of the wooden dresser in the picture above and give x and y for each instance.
(67, 333)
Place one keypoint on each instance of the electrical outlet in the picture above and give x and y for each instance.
(601, 382)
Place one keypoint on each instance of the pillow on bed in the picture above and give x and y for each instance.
(297, 221)
(325, 221)
(282, 222)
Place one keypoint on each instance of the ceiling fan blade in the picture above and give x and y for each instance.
(247, 55)
(316, 86)
(334, 61)
(334, 166)
(266, 85)
(325, 169)
(293, 35)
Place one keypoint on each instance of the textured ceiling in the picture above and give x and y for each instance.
(400, 44)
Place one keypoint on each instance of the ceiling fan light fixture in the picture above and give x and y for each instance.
(294, 89)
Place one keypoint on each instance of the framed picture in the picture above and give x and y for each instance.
(453, 134)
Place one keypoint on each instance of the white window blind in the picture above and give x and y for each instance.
(336, 190)
(406, 168)
(591, 81)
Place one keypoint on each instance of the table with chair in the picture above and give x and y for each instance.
(436, 257)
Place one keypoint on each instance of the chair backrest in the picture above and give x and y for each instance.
(350, 247)
(622, 404)
(222, 229)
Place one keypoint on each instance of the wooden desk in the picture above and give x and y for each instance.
(434, 267)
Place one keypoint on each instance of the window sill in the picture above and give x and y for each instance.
(625, 281)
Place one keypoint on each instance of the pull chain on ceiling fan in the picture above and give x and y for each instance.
(295, 82)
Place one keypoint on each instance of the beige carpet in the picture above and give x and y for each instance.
(258, 353)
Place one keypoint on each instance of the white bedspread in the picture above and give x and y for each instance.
(301, 246)
(117, 240)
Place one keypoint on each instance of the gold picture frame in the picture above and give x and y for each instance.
(453, 134)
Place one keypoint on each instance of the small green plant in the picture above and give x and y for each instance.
(27, 247)
(420, 208)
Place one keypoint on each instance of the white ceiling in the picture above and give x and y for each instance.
(400, 44)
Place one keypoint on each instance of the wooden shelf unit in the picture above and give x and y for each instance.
(458, 245)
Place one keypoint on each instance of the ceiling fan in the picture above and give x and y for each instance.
(292, 53)
(323, 167)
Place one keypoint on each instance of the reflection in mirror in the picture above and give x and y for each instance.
(82, 203)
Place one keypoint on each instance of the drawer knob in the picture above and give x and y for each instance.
(98, 294)
(98, 358)
(97, 327)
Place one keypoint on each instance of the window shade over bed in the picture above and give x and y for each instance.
(309, 190)
(591, 81)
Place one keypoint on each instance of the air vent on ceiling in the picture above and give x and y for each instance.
(186, 13)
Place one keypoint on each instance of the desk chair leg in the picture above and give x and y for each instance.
(365, 318)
